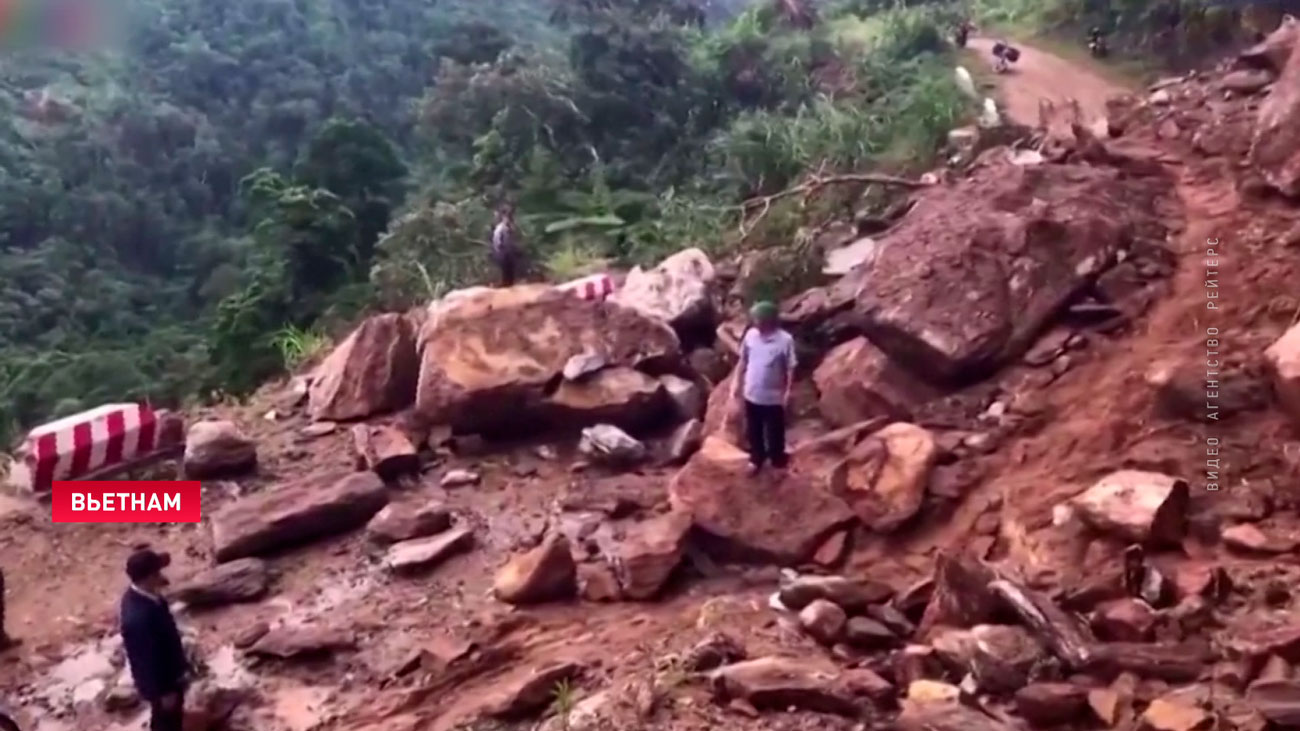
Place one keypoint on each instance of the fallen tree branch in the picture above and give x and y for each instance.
(814, 182)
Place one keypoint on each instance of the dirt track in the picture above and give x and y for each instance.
(1041, 75)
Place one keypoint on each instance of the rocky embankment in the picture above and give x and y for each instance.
(997, 513)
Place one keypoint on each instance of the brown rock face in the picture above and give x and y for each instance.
(783, 517)
(1137, 506)
(781, 683)
(1275, 148)
(999, 657)
(854, 595)
(1283, 358)
(216, 449)
(402, 522)
(373, 371)
(857, 382)
(546, 573)
(1048, 704)
(624, 397)
(245, 580)
(1124, 620)
(488, 356)
(678, 291)
(885, 476)
(968, 279)
(421, 554)
(646, 558)
(297, 513)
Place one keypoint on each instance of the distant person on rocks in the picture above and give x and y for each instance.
(763, 379)
(505, 245)
(153, 644)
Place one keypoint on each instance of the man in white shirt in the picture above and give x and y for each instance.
(763, 379)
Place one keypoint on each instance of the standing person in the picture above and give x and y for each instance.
(763, 379)
(505, 245)
(6, 641)
(153, 644)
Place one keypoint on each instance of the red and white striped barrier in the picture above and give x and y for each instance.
(92, 443)
(593, 287)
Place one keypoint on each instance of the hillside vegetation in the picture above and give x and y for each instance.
(193, 209)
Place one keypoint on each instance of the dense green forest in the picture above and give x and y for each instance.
(192, 208)
(200, 203)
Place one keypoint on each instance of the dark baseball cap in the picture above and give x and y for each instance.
(146, 562)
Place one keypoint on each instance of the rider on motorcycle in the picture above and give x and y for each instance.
(1096, 42)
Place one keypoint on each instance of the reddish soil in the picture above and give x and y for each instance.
(64, 580)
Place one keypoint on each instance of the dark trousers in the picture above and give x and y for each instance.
(161, 719)
(508, 264)
(766, 428)
(3, 635)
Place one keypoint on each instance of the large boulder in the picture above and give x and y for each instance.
(621, 396)
(973, 273)
(217, 449)
(297, 513)
(491, 357)
(885, 476)
(782, 516)
(373, 371)
(1275, 148)
(857, 382)
(677, 291)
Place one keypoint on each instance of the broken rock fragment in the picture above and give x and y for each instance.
(404, 521)
(528, 694)
(546, 573)
(852, 595)
(245, 580)
(1276, 700)
(858, 382)
(216, 449)
(420, 554)
(647, 556)
(373, 371)
(884, 477)
(287, 643)
(1137, 506)
(297, 513)
(1049, 704)
(384, 450)
(823, 620)
(781, 683)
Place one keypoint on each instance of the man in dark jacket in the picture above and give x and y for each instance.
(153, 644)
(505, 245)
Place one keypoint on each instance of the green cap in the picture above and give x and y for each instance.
(763, 311)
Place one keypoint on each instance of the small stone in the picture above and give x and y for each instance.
(1124, 620)
(1248, 537)
(868, 634)
(831, 553)
(546, 573)
(460, 478)
(404, 521)
(894, 620)
(1049, 704)
(249, 636)
(823, 620)
(319, 429)
(1174, 714)
(425, 553)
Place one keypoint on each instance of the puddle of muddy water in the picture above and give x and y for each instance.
(81, 676)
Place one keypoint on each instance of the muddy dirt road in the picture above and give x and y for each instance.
(1042, 75)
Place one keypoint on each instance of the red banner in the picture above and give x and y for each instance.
(126, 501)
